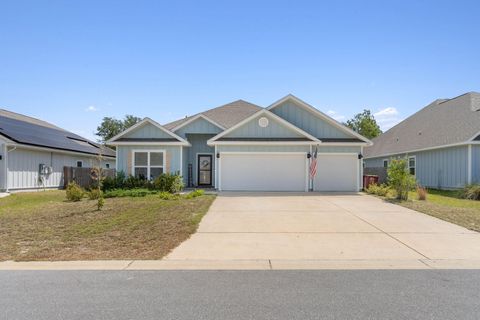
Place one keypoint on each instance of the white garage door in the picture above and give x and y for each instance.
(263, 172)
(337, 172)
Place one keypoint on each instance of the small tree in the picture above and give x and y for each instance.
(365, 124)
(400, 179)
(97, 175)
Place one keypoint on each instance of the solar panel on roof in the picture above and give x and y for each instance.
(36, 135)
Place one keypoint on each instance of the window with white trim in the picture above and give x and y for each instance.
(148, 164)
(385, 163)
(79, 164)
(107, 165)
(412, 163)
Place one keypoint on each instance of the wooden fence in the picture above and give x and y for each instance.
(82, 176)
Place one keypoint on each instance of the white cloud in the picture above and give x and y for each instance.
(91, 108)
(387, 118)
(335, 115)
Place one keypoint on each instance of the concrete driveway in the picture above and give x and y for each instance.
(311, 231)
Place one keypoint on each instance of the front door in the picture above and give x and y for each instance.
(204, 170)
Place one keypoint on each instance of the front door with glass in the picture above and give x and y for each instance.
(204, 169)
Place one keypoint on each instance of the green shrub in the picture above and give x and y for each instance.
(400, 179)
(379, 190)
(172, 183)
(94, 194)
(74, 192)
(121, 193)
(135, 183)
(168, 196)
(471, 192)
(100, 202)
(195, 193)
(168, 182)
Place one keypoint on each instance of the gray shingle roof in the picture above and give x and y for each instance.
(443, 122)
(34, 132)
(227, 115)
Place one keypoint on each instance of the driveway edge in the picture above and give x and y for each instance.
(113, 265)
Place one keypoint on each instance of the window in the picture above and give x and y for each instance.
(385, 163)
(148, 164)
(107, 165)
(411, 165)
(79, 163)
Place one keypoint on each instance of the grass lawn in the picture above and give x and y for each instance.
(43, 226)
(447, 206)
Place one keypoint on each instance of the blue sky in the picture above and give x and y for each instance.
(72, 63)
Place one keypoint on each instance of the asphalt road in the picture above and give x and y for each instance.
(442, 294)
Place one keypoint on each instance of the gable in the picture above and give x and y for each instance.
(147, 131)
(199, 126)
(274, 129)
(309, 122)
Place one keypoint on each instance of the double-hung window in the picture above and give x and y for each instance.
(148, 164)
(412, 164)
(385, 163)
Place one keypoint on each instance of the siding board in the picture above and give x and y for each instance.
(440, 168)
(475, 163)
(308, 122)
(199, 126)
(23, 166)
(147, 131)
(274, 129)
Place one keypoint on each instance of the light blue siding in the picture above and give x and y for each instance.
(200, 126)
(256, 148)
(308, 122)
(475, 163)
(339, 149)
(147, 131)
(374, 162)
(286, 148)
(273, 130)
(125, 162)
(444, 168)
(199, 146)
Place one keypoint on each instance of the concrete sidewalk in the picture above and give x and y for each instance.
(419, 264)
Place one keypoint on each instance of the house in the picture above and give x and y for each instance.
(33, 153)
(243, 147)
(441, 142)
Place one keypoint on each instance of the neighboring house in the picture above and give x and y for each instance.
(33, 153)
(241, 146)
(441, 142)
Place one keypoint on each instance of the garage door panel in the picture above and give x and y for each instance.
(263, 172)
(336, 173)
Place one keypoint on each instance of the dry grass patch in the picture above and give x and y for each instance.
(447, 206)
(43, 226)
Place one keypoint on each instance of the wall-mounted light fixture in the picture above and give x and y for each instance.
(360, 156)
(218, 155)
(309, 155)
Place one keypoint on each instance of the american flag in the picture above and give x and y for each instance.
(313, 165)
